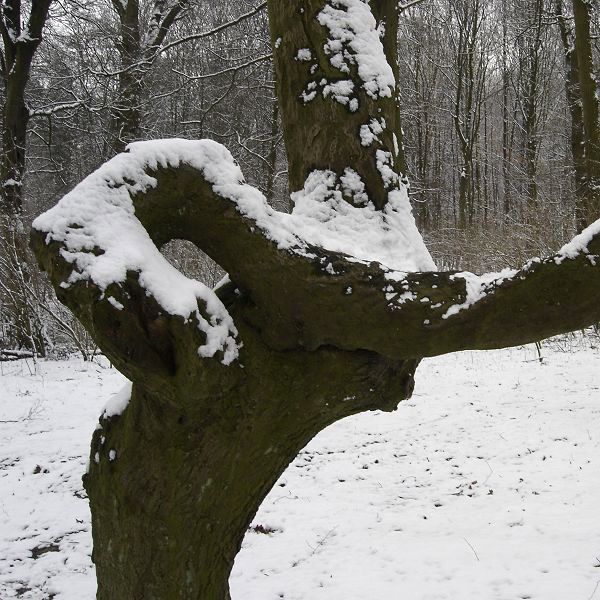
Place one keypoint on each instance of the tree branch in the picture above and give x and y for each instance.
(46, 112)
(214, 31)
(151, 320)
(296, 293)
(162, 18)
(37, 20)
(402, 6)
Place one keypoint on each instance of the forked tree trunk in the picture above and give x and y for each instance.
(21, 37)
(174, 482)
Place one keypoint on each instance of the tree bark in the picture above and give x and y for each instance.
(174, 485)
(506, 179)
(331, 128)
(128, 110)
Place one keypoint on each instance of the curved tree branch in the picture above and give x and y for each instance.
(113, 277)
(150, 319)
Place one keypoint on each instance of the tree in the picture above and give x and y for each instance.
(20, 41)
(574, 103)
(590, 197)
(326, 313)
(138, 50)
(471, 74)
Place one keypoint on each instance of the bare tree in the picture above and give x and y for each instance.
(575, 106)
(471, 71)
(138, 49)
(21, 36)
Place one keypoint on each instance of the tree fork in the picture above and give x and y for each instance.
(174, 485)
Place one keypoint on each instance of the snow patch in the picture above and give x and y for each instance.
(118, 403)
(477, 287)
(354, 39)
(99, 214)
(369, 133)
(323, 218)
(579, 244)
(304, 55)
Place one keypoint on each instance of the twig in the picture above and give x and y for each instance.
(474, 552)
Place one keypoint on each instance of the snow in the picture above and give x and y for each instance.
(118, 403)
(477, 286)
(323, 218)
(484, 485)
(304, 54)
(353, 186)
(341, 91)
(385, 166)
(369, 133)
(354, 39)
(579, 244)
(25, 37)
(11, 182)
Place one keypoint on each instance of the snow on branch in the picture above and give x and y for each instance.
(402, 6)
(102, 239)
(336, 271)
(51, 110)
(103, 232)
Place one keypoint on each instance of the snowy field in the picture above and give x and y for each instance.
(484, 486)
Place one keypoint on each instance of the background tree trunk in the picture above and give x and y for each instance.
(590, 200)
(138, 48)
(20, 43)
(575, 105)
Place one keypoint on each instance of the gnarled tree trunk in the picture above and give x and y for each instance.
(171, 506)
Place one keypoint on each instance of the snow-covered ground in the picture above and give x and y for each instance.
(484, 486)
